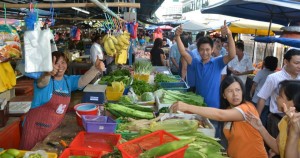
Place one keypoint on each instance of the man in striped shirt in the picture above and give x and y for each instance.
(290, 71)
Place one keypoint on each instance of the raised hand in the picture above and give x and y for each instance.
(294, 123)
(225, 30)
(99, 65)
(55, 67)
(178, 31)
(288, 111)
(254, 121)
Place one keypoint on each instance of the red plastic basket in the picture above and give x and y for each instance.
(103, 141)
(133, 148)
(94, 153)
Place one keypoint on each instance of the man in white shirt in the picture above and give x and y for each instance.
(241, 65)
(96, 49)
(270, 89)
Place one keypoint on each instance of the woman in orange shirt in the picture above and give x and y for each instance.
(243, 139)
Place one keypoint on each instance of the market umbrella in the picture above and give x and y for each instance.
(276, 11)
(282, 12)
(293, 42)
(194, 26)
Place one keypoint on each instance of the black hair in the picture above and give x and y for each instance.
(203, 40)
(270, 63)
(157, 43)
(290, 53)
(291, 91)
(96, 38)
(164, 39)
(200, 34)
(228, 80)
(58, 54)
(184, 41)
(240, 45)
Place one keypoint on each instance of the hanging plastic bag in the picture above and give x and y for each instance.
(37, 45)
(10, 46)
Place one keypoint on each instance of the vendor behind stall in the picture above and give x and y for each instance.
(51, 99)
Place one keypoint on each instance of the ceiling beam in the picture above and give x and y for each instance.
(69, 5)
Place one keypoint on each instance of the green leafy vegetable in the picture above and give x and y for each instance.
(147, 96)
(142, 67)
(140, 87)
(164, 78)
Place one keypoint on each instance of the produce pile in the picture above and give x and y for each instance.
(121, 75)
(165, 78)
(170, 97)
(142, 67)
(117, 45)
(140, 87)
(130, 110)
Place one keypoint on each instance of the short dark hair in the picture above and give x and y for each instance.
(164, 39)
(200, 34)
(96, 37)
(240, 45)
(185, 41)
(228, 80)
(157, 43)
(291, 91)
(290, 53)
(203, 40)
(270, 63)
(58, 54)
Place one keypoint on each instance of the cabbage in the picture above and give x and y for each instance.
(147, 96)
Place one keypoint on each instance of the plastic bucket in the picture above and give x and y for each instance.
(85, 109)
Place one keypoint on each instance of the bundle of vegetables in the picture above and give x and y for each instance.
(129, 110)
(120, 72)
(164, 78)
(111, 78)
(140, 87)
(142, 67)
(202, 146)
(170, 97)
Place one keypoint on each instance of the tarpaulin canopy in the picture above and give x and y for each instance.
(293, 42)
(277, 11)
(194, 26)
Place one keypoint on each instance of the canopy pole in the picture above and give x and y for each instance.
(254, 49)
(69, 5)
(107, 10)
(269, 30)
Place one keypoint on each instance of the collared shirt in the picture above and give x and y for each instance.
(241, 66)
(260, 79)
(208, 80)
(270, 88)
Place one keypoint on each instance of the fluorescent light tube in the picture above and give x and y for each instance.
(81, 10)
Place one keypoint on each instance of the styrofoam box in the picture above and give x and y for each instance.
(211, 131)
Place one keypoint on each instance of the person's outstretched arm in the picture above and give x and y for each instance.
(231, 45)
(186, 56)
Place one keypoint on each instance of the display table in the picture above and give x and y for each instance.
(77, 68)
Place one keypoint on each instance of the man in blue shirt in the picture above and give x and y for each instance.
(208, 70)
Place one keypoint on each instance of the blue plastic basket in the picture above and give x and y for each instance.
(99, 124)
(176, 86)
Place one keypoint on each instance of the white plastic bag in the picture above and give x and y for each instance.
(38, 56)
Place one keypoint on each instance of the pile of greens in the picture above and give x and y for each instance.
(142, 67)
(164, 78)
(118, 76)
(170, 97)
(140, 87)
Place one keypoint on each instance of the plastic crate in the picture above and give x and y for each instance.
(142, 77)
(103, 141)
(133, 148)
(178, 86)
(101, 124)
(94, 153)
(112, 96)
(22, 153)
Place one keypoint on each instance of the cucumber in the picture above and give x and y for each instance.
(139, 107)
(130, 112)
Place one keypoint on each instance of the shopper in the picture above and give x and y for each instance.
(157, 56)
(243, 139)
(96, 50)
(291, 71)
(289, 98)
(269, 67)
(51, 99)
